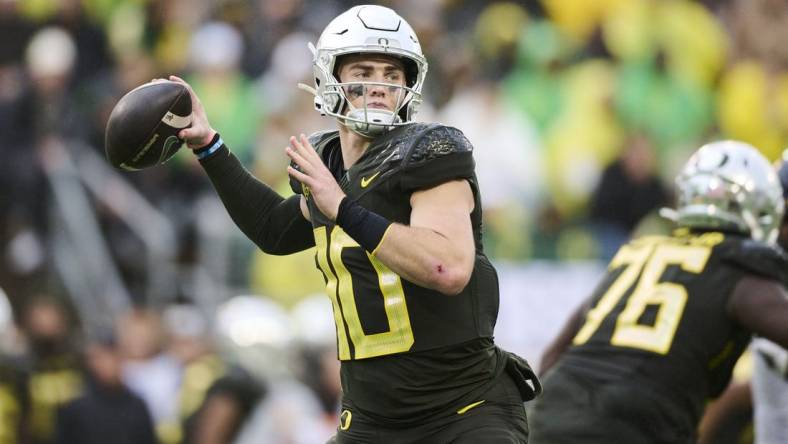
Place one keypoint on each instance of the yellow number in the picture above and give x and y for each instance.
(633, 257)
(339, 286)
(321, 241)
(670, 298)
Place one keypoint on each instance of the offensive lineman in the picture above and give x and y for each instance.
(663, 330)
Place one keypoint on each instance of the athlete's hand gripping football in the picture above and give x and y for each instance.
(313, 173)
(199, 133)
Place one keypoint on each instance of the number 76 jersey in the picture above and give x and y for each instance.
(659, 318)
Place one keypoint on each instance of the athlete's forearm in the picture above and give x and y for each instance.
(427, 258)
(272, 222)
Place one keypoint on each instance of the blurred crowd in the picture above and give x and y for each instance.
(580, 114)
(253, 373)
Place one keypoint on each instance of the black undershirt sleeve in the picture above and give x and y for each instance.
(272, 222)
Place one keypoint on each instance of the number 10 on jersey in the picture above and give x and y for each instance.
(339, 286)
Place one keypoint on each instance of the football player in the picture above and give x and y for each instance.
(766, 393)
(662, 332)
(394, 210)
(770, 363)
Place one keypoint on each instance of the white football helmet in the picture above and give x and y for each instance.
(367, 29)
(730, 185)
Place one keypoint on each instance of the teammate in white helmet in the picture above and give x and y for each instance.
(763, 398)
(661, 334)
(770, 364)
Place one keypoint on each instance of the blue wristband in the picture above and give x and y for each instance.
(208, 150)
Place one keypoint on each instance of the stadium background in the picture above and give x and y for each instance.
(581, 113)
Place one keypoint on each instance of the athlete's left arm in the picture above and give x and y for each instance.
(436, 250)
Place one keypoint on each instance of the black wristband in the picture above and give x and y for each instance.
(209, 149)
(364, 226)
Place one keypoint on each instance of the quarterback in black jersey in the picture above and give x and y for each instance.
(393, 209)
(661, 334)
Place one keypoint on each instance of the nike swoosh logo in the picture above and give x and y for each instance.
(470, 406)
(365, 181)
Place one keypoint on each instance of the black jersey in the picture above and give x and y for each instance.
(401, 343)
(659, 323)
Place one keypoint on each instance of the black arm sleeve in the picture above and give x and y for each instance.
(272, 222)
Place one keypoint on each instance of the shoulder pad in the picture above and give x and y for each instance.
(319, 141)
(321, 138)
(759, 258)
(436, 141)
(437, 155)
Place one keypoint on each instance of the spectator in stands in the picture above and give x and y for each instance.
(14, 397)
(107, 412)
(54, 366)
(628, 190)
(215, 396)
(148, 371)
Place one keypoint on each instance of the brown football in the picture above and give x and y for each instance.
(143, 128)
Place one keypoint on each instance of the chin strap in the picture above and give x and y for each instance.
(370, 123)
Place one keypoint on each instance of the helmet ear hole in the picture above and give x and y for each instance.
(411, 72)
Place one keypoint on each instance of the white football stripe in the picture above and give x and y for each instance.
(176, 121)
